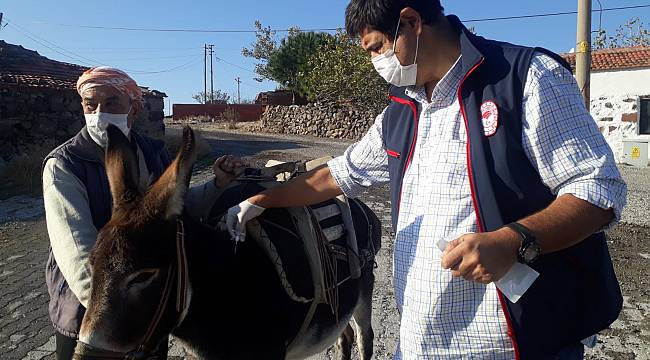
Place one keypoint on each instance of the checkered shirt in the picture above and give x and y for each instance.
(449, 318)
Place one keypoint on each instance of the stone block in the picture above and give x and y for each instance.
(630, 117)
(45, 126)
(56, 103)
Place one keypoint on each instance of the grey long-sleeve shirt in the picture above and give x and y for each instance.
(70, 226)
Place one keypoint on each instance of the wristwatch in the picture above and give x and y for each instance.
(529, 250)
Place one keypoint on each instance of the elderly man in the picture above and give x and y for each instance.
(77, 195)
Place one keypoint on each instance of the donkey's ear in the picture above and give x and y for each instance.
(166, 197)
(121, 167)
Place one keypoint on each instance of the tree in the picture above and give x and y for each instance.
(341, 72)
(292, 59)
(632, 33)
(217, 97)
(264, 47)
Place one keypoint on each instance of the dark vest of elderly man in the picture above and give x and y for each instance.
(77, 195)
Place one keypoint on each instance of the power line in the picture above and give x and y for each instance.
(554, 14)
(85, 60)
(187, 30)
(26, 34)
(176, 68)
(235, 65)
(241, 31)
(156, 58)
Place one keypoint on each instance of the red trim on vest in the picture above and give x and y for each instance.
(415, 139)
(504, 308)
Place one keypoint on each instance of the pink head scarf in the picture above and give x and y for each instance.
(109, 76)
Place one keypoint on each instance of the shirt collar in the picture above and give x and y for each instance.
(444, 94)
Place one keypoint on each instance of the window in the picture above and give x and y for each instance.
(644, 115)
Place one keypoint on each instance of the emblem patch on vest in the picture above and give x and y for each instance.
(490, 116)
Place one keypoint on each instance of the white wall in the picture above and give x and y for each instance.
(614, 93)
(620, 83)
(608, 112)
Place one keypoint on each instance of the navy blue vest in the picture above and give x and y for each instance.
(577, 293)
(85, 159)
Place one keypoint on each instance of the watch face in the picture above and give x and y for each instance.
(531, 252)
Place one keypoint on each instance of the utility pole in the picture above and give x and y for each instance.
(211, 51)
(1, 20)
(205, 79)
(583, 50)
(238, 81)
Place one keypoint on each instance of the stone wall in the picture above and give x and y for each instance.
(317, 120)
(37, 116)
(616, 116)
(150, 122)
(45, 117)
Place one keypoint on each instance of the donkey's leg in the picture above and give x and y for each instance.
(344, 344)
(363, 315)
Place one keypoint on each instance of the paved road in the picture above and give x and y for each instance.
(25, 331)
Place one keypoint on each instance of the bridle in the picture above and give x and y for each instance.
(176, 271)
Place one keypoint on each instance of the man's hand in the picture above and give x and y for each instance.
(226, 169)
(238, 216)
(482, 257)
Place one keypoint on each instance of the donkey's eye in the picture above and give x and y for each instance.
(142, 277)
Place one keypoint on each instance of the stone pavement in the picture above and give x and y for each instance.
(25, 328)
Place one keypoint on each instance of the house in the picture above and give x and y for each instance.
(279, 97)
(620, 99)
(39, 103)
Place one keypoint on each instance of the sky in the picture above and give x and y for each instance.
(172, 62)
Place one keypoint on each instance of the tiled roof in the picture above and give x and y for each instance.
(23, 67)
(616, 59)
(26, 68)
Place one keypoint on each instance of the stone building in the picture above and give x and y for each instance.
(620, 95)
(39, 104)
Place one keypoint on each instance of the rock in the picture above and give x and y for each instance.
(56, 103)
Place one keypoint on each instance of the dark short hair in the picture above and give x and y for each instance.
(383, 15)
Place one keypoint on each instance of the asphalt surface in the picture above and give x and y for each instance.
(25, 331)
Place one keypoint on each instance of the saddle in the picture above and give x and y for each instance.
(320, 239)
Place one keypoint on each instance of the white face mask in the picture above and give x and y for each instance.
(98, 123)
(392, 70)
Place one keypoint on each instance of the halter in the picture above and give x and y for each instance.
(178, 270)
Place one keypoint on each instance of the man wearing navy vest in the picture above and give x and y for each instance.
(488, 148)
(78, 200)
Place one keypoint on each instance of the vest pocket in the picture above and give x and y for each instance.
(393, 153)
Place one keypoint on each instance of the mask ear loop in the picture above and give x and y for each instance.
(417, 48)
(417, 42)
(396, 34)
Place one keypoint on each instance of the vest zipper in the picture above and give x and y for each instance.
(412, 149)
(481, 228)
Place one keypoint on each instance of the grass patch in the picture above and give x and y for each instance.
(23, 173)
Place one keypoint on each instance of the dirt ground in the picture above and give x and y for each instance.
(25, 332)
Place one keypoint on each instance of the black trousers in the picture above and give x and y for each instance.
(65, 347)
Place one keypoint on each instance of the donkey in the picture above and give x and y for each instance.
(157, 272)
